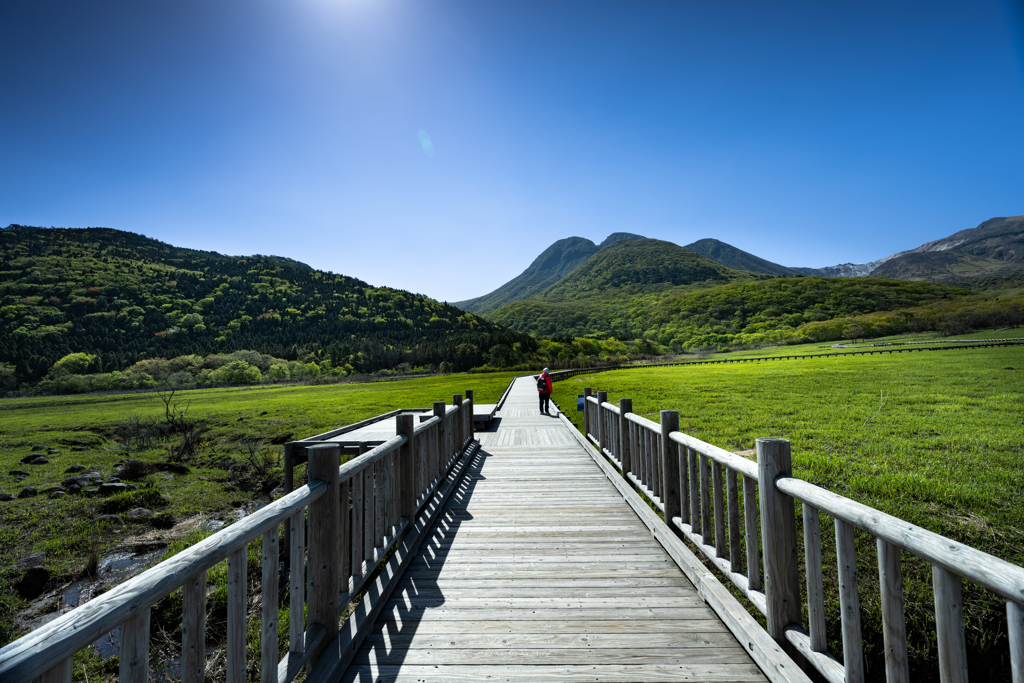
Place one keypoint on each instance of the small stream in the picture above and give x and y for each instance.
(114, 569)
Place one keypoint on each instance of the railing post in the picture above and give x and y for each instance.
(602, 398)
(61, 673)
(469, 417)
(894, 626)
(778, 537)
(1015, 629)
(289, 486)
(324, 562)
(405, 425)
(134, 662)
(949, 625)
(439, 410)
(193, 629)
(625, 459)
(268, 621)
(587, 391)
(459, 437)
(670, 466)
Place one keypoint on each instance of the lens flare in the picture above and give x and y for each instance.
(428, 146)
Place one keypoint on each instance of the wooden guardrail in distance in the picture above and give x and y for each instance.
(356, 516)
(697, 486)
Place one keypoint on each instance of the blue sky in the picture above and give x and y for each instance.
(439, 146)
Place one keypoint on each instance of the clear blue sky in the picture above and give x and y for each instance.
(439, 146)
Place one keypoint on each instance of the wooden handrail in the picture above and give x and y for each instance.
(357, 513)
(653, 458)
(32, 655)
(999, 576)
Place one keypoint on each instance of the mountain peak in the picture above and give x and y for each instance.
(731, 257)
(618, 237)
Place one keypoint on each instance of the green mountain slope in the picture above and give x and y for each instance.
(759, 311)
(124, 297)
(554, 263)
(737, 259)
(638, 265)
(614, 289)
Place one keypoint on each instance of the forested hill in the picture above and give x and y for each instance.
(124, 297)
(640, 265)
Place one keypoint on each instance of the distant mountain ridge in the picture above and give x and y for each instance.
(994, 248)
(737, 259)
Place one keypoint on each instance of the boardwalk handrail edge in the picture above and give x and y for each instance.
(769, 655)
(421, 455)
(679, 487)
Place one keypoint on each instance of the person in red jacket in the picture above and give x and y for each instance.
(544, 390)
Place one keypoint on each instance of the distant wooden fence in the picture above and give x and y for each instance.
(565, 374)
(364, 520)
(697, 487)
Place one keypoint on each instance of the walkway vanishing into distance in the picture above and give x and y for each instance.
(538, 570)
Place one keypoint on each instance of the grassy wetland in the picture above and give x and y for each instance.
(233, 467)
(932, 438)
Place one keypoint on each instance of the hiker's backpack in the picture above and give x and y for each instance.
(542, 383)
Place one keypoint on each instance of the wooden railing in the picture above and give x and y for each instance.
(351, 525)
(697, 487)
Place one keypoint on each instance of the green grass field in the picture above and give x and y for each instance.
(935, 439)
(61, 528)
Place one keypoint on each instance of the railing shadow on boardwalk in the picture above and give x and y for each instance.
(388, 643)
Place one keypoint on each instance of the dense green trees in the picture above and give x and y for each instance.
(775, 310)
(124, 298)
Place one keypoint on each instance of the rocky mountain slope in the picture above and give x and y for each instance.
(996, 247)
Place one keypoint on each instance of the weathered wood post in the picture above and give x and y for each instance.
(894, 625)
(625, 459)
(193, 629)
(670, 466)
(268, 617)
(324, 563)
(587, 391)
(61, 672)
(1015, 629)
(469, 417)
(134, 662)
(778, 537)
(457, 426)
(439, 411)
(949, 625)
(602, 398)
(849, 603)
(289, 486)
(406, 425)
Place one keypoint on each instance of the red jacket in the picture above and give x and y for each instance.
(547, 378)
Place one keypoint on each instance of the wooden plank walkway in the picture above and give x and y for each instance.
(538, 570)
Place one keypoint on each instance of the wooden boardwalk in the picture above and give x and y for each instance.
(538, 570)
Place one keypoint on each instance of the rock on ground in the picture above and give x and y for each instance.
(33, 583)
(105, 519)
